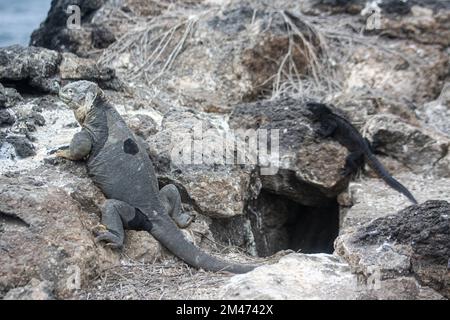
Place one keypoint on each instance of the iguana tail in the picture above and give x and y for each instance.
(376, 165)
(168, 234)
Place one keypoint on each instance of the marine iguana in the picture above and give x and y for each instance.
(337, 127)
(118, 163)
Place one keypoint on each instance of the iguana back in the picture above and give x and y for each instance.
(120, 165)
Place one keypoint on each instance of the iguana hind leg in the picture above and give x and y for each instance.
(353, 162)
(115, 217)
(171, 199)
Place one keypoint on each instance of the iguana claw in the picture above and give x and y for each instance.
(62, 154)
(184, 220)
(99, 229)
(110, 239)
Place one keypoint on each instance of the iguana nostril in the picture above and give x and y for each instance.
(130, 147)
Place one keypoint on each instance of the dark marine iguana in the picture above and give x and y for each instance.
(118, 163)
(337, 127)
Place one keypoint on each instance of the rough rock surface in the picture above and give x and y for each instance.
(414, 243)
(397, 70)
(34, 290)
(308, 166)
(318, 277)
(38, 68)
(216, 56)
(24, 148)
(212, 186)
(52, 241)
(297, 276)
(370, 199)
(437, 113)
(421, 24)
(73, 67)
(419, 149)
(35, 66)
(6, 118)
(53, 34)
(9, 97)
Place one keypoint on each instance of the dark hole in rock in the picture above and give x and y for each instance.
(11, 221)
(23, 86)
(274, 223)
(279, 223)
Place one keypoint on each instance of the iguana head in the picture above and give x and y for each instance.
(80, 96)
(318, 110)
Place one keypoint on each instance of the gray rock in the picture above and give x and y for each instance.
(38, 119)
(422, 24)
(24, 148)
(36, 66)
(141, 246)
(412, 244)
(215, 188)
(73, 67)
(48, 102)
(337, 6)
(9, 97)
(39, 68)
(6, 118)
(370, 199)
(231, 54)
(436, 114)
(53, 33)
(102, 37)
(141, 124)
(309, 168)
(53, 242)
(297, 277)
(399, 75)
(34, 290)
(391, 8)
(418, 148)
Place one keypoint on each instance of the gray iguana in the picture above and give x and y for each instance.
(118, 163)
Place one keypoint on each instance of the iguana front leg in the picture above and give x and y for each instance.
(171, 200)
(80, 147)
(327, 128)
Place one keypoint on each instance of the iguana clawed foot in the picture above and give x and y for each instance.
(171, 199)
(102, 234)
(344, 172)
(64, 153)
(184, 219)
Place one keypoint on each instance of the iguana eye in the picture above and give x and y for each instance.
(70, 91)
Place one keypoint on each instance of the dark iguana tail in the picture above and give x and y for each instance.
(373, 162)
(168, 234)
